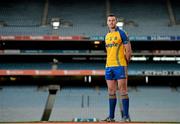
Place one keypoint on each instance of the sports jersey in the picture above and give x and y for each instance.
(115, 49)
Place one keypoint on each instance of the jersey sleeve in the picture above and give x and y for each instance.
(124, 37)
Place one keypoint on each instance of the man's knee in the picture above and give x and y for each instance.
(123, 91)
(112, 90)
(122, 87)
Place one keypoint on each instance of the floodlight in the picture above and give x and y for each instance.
(120, 23)
(55, 22)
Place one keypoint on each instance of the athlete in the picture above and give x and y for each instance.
(119, 51)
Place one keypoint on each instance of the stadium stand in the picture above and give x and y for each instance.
(88, 66)
(140, 18)
(74, 102)
(144, 18)
(175, 5)
(14, 66)
(21, 102)
(21, 13)
(42, 56)
(86, 18)
(35, 31)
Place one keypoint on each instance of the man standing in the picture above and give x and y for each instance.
(119, 51)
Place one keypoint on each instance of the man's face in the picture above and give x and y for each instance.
(111, 22)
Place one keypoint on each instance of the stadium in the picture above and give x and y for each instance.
(53, 55)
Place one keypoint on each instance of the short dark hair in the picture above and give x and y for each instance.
(111, 15)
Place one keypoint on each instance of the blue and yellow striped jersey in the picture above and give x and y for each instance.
(115, 48)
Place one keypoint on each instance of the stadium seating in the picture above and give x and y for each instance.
(86, 18)
(133, 67)
(35, 31)
(147, 104)
(20, 103)
(24, 18)
(81, 96)
(21, 13)
(150, 18)
(22, 66)
(175, 5)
